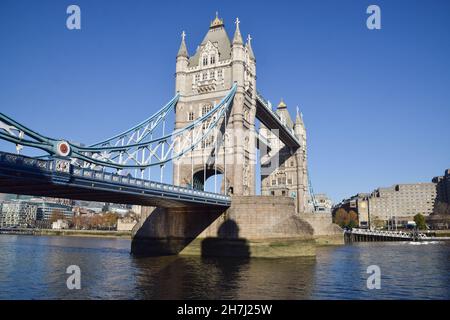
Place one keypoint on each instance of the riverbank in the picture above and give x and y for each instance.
(70, 233)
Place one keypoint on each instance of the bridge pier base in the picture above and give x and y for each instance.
(254, 226)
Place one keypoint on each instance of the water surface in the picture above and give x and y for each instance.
(34, 267)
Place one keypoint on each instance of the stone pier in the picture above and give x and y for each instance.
(254, 226)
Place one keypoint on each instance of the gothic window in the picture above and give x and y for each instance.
(197, 77)
(206, 108)
(219, 74)
(191, 116)
(211, 75)
(213, 60)
(205, 60)
(204, 76)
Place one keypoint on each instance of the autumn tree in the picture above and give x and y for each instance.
(341, 217)
(110, 219)
(352, 219)
(56, 215)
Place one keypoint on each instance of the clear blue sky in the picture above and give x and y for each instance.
(376, 103)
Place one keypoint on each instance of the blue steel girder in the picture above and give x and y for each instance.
(59, 178)
(135, 148)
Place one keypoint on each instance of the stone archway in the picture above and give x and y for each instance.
(203, 175)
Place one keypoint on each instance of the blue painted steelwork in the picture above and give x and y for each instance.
(135, 148)
(58, 177)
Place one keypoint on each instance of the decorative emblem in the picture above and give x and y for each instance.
(63, 166)
(63, 148)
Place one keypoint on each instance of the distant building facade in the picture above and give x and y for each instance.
(440, 218)
(126, 224)
(60, 224)
(403, 200)
(443, 187)
(17, 213)
(393, 205)
(322, 202)
(359, 203)
(46, 208)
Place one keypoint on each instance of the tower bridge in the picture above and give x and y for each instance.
(216, 108)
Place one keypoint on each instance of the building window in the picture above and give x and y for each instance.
(204, 76)
(205, 61)
(283, 193)
(274, 182)
(272, 193)
(197, 77)
(220, 73)
(191, 116)
(206, 108)
(213, 59)
(289, 181)
(211, 75)
(292, 163)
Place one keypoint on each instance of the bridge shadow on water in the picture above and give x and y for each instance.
(190, 277)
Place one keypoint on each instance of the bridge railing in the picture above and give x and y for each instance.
(63, 167)
(400, 234)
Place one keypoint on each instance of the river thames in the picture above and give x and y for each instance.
(35, 268)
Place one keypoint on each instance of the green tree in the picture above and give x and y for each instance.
(419, 219)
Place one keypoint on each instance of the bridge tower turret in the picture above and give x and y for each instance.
(302, 170)
(202, 81)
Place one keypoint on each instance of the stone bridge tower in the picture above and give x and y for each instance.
(290, 178)
(202, 80)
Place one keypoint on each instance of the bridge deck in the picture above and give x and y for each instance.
(272, 121)
(58, 178)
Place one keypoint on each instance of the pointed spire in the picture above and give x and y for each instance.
(282, 105)
(182, 52)
(217, 22)
(249, 48)
(299, 118)
(237, 39)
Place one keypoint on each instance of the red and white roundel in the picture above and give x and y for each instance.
(63, 148)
